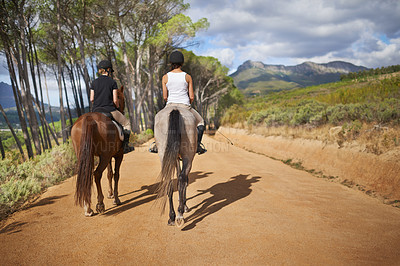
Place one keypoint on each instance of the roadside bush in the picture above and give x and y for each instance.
(235, 114)
(143, 137)
(389, 111)
(19, 189)
(309, 112)
(20, 181)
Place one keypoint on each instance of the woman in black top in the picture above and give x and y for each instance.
(103, 95)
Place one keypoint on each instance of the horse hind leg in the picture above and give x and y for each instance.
(172, 215)
(110, 177)
(100, 207)
(118, 161)
(182, 185)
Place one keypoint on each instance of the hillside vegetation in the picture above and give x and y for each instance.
(354, 106)
(256, 78)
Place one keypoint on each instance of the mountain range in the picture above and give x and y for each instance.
(257, 78)
(6, 96)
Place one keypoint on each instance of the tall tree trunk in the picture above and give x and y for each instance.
(32, 68)
(13, 133)
(127, 81)
(44, 125)
(25, 84)
(51, 131)
(66, 98)
(48, 100)
(18, 100)
(80, 90)
(81, 44)
(62, 111)
(150, 94)
(74, 92)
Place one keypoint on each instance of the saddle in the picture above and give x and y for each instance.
(118, 125)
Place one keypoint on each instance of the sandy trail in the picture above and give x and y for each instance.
(246, 209)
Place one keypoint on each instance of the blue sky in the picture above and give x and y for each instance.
(363, 32)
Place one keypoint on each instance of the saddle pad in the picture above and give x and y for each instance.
(118, 126)
(120, 132)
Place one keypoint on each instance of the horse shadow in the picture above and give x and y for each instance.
(149, 194)
(222, 195)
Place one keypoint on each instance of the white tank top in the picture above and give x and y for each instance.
(177, 88)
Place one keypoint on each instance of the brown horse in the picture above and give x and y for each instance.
(176, 139)
(94, 134)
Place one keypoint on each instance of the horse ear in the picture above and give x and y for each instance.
(122, 89)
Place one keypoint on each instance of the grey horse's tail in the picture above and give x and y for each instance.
(170, 159)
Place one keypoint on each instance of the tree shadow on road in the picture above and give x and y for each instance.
(148, 194)
(223, 194)
(44, 201)
(12, 228)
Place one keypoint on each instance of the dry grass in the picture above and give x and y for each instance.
(369, 138)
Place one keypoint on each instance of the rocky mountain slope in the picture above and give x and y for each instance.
(255, 78)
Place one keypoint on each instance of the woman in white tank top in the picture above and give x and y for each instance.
(178, 90)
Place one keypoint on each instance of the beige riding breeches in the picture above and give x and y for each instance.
(120, 118)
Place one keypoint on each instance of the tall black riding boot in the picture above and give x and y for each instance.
(125, 143)
(200, 131)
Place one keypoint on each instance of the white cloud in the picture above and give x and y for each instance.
(296, 30)
(225, 55)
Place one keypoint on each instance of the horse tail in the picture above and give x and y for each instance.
(84, 181)
(169, 161)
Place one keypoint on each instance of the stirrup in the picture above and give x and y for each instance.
(153, 148)
(201, 149)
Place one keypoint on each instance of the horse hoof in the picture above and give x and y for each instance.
(180, 221)
(89, 214)
(100, 208)
(171, 223)
(110, 196)
(117, 202)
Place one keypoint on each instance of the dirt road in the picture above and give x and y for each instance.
(246, 209)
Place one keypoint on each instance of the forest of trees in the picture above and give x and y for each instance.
(370, 72)
(65, 39)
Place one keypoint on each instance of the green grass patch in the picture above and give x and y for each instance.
(20, 181)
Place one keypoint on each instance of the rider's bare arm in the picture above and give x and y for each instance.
(92, 96)
(164, 87)
(115, 98)
(190, 87)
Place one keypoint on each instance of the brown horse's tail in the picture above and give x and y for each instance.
(84, 180)
(170, 159)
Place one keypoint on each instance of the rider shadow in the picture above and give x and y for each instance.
(223, 194)
(149, 194)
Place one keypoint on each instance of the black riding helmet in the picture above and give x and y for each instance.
(176, 57)
(105, 64)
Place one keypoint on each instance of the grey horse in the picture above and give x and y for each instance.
(176, 138)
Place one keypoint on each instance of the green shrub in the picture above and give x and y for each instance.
(19, 181)
(143, 136)
(16, 190)
(309, 112)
